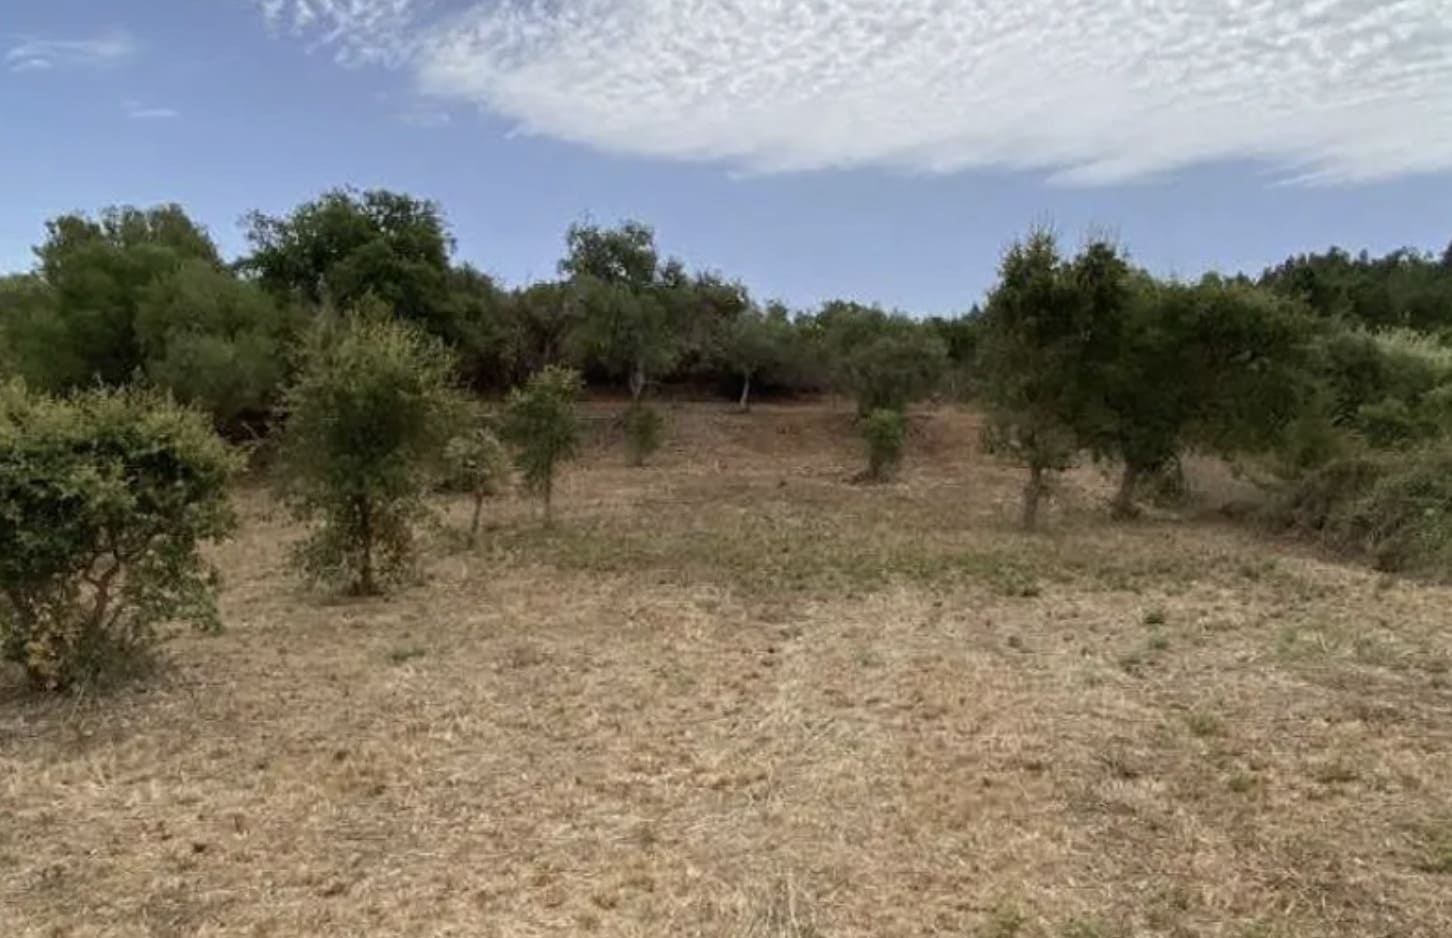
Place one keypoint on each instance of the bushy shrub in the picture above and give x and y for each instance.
(478, 464)
(369, 418)
(1405, 520)
(541, 424)
(884, 430)
(105, 498)
(1395, 509)
(644, 432)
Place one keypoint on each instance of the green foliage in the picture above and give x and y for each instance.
(349, 245)
(541, 424)
(477, 322)
(215, 341)
(1216, 365)
(540, 322)
(881, 360)
(1404, 289)
(893, 369)
(369, 418)
(1391, 388)
(628, 302)
(623, 332)
(644, 432)
(105, 498)
(74, 323)
(1393, 508)
(960, 337)
(885, 431)
(753, 344)
(1049, 337)
(624, 256)
(477, 463)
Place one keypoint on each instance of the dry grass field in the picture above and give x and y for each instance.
(734, 694)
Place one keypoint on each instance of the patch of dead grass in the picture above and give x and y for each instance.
(732, 694)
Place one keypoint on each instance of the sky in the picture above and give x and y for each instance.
(878, 150)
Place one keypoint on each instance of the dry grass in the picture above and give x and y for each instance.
(733, 694)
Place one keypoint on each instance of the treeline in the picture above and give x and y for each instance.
(144, 295)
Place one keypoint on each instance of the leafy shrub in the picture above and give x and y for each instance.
(541, 424)
(1317, 503)
(1405, 520)
(884, 430)
(104, 500)
(1395, 509)
(644, 432)
(369, 418)
(479, 465)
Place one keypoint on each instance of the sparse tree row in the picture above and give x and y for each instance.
(349, 340)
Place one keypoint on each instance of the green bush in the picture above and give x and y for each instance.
(884, 430)
(105, 498)
(1395, 509)
(541, 424)
(478, 464)
(644, 432)
(1405, 520)
(369, 418)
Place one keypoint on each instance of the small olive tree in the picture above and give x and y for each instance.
(644, 430)
(479, 465)
(541, 424)
(368, 420)
(105, 498)
(884, 431)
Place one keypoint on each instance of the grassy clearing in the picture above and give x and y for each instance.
(734, 694)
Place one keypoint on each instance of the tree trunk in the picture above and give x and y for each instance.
(478, 512)
(637, 381)
(1032, 492)
(1122, 507)
(745, 392)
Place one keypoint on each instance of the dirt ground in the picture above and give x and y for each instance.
(734, 694)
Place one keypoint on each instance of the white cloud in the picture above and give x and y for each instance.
(358, 31)
(1089, 91)
(35, 54)
(142, 112)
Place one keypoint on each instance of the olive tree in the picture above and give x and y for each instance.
(541, 424)
(368, 420)
(1215, 365)
(478, 464)
(1050, 333)
(755, 342)
(105, 500)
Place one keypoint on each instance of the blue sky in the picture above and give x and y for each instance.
(881, 151)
